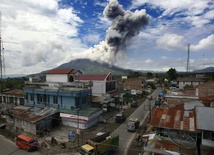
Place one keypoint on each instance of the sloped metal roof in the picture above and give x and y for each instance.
(62, 71)
(174, 118)
(31, 114)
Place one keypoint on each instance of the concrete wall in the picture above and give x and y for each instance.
(99, 87)
(57, 78)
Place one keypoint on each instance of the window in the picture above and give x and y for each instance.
(39, 98)
(31, 97)
(55, 100)
(110, 86)
(209, 135)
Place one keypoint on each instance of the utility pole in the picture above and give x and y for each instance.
(1, 59)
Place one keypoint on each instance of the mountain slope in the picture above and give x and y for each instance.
(93, 67)
(205, 70)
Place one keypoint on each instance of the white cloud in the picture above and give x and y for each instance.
(93, 38)
(204, 44)
(148, 61)
(42, 32)
(170, 42)
(190, 9)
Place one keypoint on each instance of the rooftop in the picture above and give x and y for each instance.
(176, 117)
(14, 92)
(190, 79)
(61, 71)
(161, 145)
(31, 114)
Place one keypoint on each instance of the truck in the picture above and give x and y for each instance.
(133, 124)
(105, 143)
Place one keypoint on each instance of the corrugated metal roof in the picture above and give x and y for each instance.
(62, 71)
(205, 117)
(94, 77)
(174, 118)
(31, 114)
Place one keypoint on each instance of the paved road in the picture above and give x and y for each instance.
(126, 137)
(8, 147)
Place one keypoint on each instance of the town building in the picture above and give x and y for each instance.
(11, 98)
(175, 130)
(206, 93)
(205, 125)
(104, 90)
(189, 81)
(69, 96)
(33, 120)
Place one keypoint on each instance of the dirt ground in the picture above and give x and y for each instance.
(60, 133)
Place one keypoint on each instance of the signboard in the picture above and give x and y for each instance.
(78, 131)
(71, 135)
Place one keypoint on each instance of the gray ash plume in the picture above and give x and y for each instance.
(125, 25)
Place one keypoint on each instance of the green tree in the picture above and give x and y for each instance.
(172, 74)
(134, 74)
(149, 75)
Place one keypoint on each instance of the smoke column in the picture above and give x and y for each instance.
(125, 25)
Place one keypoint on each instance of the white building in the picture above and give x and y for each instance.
(62, 75)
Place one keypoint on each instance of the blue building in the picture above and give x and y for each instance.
(58, 96)
(71, 98)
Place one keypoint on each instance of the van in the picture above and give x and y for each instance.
(26, 142)
(120, 118)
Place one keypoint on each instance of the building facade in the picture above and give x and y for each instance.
(69, 96)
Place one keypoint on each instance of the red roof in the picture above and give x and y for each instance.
(190, 79)
(207, 98)
(174, 118)
(209, 84)
(61, 71)
(98, 77)
(14, 92)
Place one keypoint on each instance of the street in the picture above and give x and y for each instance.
(8, 147)
(126, 138)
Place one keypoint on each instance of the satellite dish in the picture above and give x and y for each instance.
(182, 140)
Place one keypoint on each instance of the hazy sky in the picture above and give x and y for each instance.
(137, 34)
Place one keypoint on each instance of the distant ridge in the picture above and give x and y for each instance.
(205, 70)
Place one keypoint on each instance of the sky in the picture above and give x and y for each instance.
(38, 35)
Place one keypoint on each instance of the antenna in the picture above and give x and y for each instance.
(188, 46)
(1, 82)
(0, 48)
